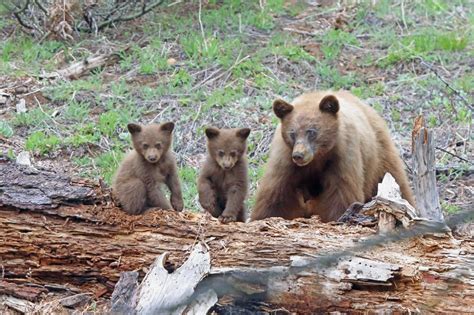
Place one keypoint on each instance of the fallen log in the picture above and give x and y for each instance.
(68, 246)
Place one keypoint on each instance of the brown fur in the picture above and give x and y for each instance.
(329, 151)
(222, 182)
(142, 173)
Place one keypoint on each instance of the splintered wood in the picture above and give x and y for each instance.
(74, 240)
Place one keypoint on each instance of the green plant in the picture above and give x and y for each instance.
(77, 111)
(33, 117)
(42, 143)
(5, 129)
(181, 78)
(450, 208)
(109, 121)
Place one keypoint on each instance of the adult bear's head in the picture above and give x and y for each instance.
(309, 126)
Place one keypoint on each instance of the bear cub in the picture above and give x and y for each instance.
(142, 173)
(223, 180)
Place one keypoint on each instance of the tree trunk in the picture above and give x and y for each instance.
(57, 243)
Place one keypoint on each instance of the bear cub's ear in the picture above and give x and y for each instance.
(243, 133)
(329, 104)
(282, 108)
(211, 132)
(134, 128)
(167, 126)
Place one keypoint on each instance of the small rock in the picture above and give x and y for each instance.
(23, 158)
(171, 61)
(76, 300)
(21, 106)
(21, 90)
(3, 99)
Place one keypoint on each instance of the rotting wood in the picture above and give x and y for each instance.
(424, 179)
(25, 187)
(86, 247)
(162, 292)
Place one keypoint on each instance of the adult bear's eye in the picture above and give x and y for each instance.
(292, 135)
(311, 133)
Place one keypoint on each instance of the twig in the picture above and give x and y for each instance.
(430, 67)
(293, 30)
(202, 27)
(42, 8)
(159, 114)
(225, 72)
(144, 11)
(452, 154)
(20, 10)
(402, 7)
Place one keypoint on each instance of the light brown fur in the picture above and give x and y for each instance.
(142, 173)
(223, 182)
(330, 151)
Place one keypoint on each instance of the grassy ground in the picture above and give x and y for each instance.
(403, 58)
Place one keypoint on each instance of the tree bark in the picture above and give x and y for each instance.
(69, 246)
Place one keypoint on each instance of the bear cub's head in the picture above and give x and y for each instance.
(151, 141)
(226, 146)
(310, 127)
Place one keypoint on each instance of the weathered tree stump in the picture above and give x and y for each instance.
(424, 170)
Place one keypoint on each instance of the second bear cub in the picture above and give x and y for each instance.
(223, 182)
(143, 171)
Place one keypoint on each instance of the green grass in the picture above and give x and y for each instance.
(108, 163)
(333, 42)
(188, 176)
(425, 45)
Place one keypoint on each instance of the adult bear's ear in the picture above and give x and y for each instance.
(212, 132)
(134, 128)
(167, 127)
(281, 108)
(243, 133)
(329, 104)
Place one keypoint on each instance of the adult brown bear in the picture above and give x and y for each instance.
(329, 151)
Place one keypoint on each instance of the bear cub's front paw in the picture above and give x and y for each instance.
(227, 218)
(177, 203)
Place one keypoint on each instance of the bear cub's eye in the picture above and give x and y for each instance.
(311, 133)
(221, 153)
(233, 154)
(158, 146)
(145, 146)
